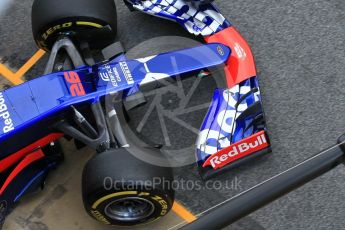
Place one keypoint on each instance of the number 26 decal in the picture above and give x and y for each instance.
(75, 86)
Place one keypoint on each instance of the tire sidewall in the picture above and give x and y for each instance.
(92, 21)
(46, 37)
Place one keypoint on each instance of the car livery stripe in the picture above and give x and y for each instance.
(32, 157)
(15, 157)
(29, 184)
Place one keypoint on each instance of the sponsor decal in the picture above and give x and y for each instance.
(240, 51)
(220, 50)
(238, 150)
(126, 72)
(76, 88)
(5, 115)
(104, 76)
(111, 75)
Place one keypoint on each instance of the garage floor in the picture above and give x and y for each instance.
(59, 205)
(300, 53)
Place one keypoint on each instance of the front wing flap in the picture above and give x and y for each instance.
(233, 129)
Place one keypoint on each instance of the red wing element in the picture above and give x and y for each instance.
(240, 66)
(15, 157)
(32, 157)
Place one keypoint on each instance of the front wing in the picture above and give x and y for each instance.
(234, 129)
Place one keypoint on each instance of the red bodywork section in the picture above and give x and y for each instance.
(16, 157)
(30, 158)
(241, 65)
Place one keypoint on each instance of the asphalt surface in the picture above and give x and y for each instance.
(300, 55)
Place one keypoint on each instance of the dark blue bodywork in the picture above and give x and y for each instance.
(43, 100)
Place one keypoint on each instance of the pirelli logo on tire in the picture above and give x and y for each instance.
(67, 25)
(55, 28)
(99, 216)
(163, 203)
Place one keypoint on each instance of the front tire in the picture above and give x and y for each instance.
(92, 21)
(119, 189)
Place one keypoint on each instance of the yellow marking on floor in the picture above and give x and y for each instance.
(16, 78)
(9, 75)
(182, 212)
(31, 62)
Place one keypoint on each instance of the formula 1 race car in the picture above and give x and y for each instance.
(80, 99)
